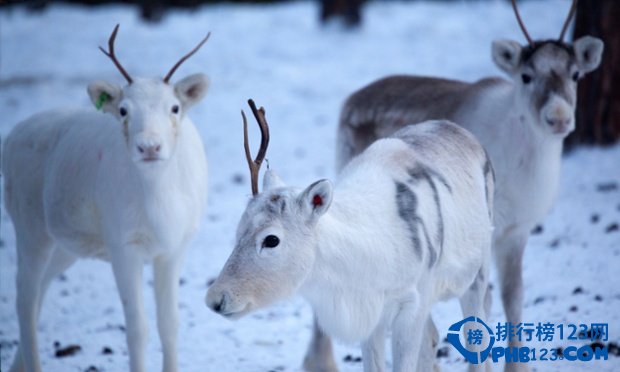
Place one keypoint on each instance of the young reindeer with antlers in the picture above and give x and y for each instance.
(407, 225)
(521, 123)
(128, 187)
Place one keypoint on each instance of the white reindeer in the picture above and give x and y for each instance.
(522, 125)
(128, 186)
(408, 224)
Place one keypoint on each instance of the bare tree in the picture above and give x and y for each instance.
(598, 102)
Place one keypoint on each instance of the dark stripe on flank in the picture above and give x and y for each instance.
(433, 255)
(421, 172)
(424, 173)
(407, 203)
(488, 168)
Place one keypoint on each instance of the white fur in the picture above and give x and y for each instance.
(526, 155)
(352, 257)
(526, 159)
(523, 139)
(77, 186)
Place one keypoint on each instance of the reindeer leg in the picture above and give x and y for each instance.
(408, 329)
(428, 352)
(509, 251)
(473, 303)
(320, 354)
(166, 276)
(59, 261)
(127, 267)
(33, 251)
(373, 351)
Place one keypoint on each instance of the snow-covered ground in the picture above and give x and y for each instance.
(301, 73)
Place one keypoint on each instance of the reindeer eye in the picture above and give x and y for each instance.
(122, 111)
(175, 109)
(271, 241)
(526, 78)
(576, 76)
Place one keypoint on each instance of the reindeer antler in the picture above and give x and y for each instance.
(255, 164)
(570, 15)
(184, 58)
(527, 36)
(112, 55)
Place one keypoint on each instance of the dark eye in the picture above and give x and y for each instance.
(175, 109)
(271, 241)
(576, 76)
(526, 78)
(122, 111)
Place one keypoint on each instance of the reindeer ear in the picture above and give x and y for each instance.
(271, 180)
(588, 51)
(316, 199)
(191, 89)
(105, 96)
(506, 55)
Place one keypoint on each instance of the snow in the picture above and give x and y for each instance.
(301, 72)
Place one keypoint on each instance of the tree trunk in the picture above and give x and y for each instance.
(598, 94)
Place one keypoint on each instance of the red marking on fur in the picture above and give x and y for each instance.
(317, 200)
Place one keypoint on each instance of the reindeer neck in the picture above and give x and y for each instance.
(166, 196)
(346, 237)
(348, 286)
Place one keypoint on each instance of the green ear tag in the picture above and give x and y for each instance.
(103, 98)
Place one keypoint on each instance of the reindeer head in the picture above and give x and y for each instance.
(546, 74)
(275, 243)
(150, 110)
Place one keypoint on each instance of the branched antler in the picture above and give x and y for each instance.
(527, 35)
(569, 17)
(112, 55)
(184, 58)
(255, 164)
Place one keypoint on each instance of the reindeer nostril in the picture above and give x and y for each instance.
(558, 122)
(140, 149)
(218, 307)
(157, 148)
